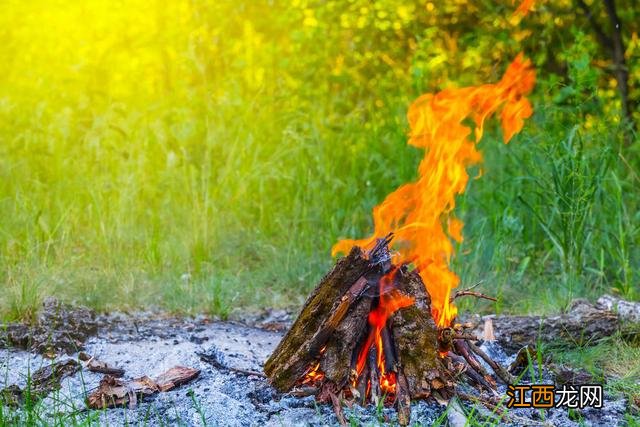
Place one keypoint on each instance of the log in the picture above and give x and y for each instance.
(337, 316)
(583, 324)
(628, 311)
(293, 355)
(342, 346)
(415, 335)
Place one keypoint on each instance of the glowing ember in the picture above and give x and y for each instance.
(313, 374)
(421, 213)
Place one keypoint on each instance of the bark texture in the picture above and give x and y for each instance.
(293, 355)
(583, 324)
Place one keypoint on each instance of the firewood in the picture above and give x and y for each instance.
(363, 383)
(471, 373)
(374, 375)
(325, 347)
(462, 348)
(388, 347)
(415, 334)
(344, 343)
(403, 398)
(293, 355)
(329, 327)
(502, 373)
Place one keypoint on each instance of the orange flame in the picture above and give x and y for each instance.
(390, 301)
(420, 212)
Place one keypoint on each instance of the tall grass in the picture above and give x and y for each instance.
(160, 155)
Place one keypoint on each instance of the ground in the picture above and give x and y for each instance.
(231, 390)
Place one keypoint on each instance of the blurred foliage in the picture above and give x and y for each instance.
(204, 155)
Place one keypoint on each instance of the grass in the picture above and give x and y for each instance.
(207, 188)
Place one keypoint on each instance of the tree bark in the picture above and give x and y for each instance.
(416, 337)
(293, 355)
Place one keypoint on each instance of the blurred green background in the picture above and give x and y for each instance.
(204, 155)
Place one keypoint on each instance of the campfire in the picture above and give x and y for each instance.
(380, 326)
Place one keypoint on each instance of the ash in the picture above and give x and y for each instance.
(230, 390)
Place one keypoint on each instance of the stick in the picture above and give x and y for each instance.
(505, 376)
(469, 292)
(322, 336)
(403, 399)
(465, 337)
(374, 374)
(213, 361)
(471, 373)
(363, 381)
(337, 408)
(462, 348)
(388, 350)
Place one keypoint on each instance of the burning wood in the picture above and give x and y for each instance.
(385, 349)
(376, 330)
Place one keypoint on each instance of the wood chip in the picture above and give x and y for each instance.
(114, 392)
(488, 334)
(175, 377)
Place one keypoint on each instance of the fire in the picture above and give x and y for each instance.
(390, 300)
(448, 125)
(313, 374)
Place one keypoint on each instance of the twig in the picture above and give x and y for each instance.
(505, 376)
(213, 361)
(464, 337)
(337, 408)
(471, 293)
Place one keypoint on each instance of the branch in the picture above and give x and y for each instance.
(604, 40)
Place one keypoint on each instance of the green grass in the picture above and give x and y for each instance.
(147, 161)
